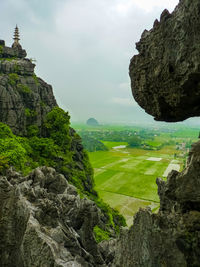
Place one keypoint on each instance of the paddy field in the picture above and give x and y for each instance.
(125, 178)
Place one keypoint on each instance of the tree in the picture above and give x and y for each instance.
(134, 141)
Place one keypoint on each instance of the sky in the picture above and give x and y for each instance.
(83, 49)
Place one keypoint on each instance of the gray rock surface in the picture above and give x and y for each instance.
(24, 98)
(11, 52)
(43, 222)
(165, 75)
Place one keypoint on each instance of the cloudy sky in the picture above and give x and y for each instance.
(83, 48)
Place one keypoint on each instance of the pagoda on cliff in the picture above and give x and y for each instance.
(16, 38)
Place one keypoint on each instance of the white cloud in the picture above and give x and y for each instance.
(123, 101)
(124, 6)
(83, 48)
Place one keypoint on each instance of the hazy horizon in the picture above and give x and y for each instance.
(83, 49)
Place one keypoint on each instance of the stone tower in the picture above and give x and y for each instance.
(16, 38)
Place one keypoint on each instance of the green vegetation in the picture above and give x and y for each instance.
(13, 79)
(30, 113)
(43, 104)
(125, 175)
(35, 79)
(16, 67)
(8, 58)
(59, 147)
(23, 88)
(125, 178)
(1, 50)
(91, 144)
(100, 234)
(134, 141)
(3, 164)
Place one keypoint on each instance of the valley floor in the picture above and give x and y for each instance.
(125, 178)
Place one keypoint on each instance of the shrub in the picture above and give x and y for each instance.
(23, 88)
(3, 164)
(30, 113)
(100, 234)
(32, 130)
(5, 131)
(14, 152)
(57, 127)
(35, 79)
(13, 78)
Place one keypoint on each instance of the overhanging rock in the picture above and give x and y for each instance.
(165, 75)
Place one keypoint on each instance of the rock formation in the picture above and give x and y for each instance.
(43, 222)
(165, 82)
(92, 122)
(25, 99)
(165, 75)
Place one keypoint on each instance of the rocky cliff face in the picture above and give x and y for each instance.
(24, 98)
(43, 222)
(165, 74)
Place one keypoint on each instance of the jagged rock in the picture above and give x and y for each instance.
(43, 222)
(24, 98)
(11, 52)
(165, 75)
(19, 66)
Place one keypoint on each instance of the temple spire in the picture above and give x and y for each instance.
(16, 37)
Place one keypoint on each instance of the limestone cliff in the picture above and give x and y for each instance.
(44, 219)
(165, 74)
(25, 99)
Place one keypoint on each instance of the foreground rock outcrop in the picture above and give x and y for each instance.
(25, 99)
(165, 75)
(43, 222)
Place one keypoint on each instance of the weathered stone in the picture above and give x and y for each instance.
(12, 52)
(165, 75)
(43, 224)
(24, 101)
(24, 98)
(19, 66)
(2, 42)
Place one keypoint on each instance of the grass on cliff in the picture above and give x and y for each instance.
(59, 147)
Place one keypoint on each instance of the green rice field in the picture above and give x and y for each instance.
(125, 178)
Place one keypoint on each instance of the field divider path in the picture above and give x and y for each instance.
(145, 199)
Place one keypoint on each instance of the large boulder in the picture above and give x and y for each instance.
(165, 75)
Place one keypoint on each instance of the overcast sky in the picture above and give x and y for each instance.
(83, 49)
